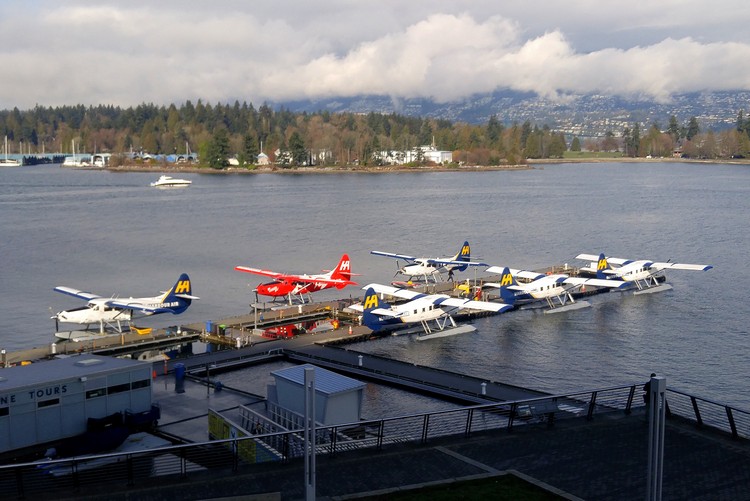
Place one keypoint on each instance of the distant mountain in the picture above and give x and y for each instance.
(584, 115)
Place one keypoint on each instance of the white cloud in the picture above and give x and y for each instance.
(128, 53)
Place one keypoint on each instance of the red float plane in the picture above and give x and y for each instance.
(296, 285)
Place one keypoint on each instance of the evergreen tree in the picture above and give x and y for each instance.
(609, 143)
(740, 122)
(692, 129)
(250, 151)
(674, 128)
(575, 144)
(297, 149)
(533, 146)
(557, 146)
(634, 142)
(525, 133)
(494, 130)
(217, 152)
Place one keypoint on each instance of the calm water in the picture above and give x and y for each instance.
(112, 234)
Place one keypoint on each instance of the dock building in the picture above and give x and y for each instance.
(44, 403)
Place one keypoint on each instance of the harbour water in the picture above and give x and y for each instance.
(112, 234)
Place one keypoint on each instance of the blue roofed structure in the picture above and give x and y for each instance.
(338, 399)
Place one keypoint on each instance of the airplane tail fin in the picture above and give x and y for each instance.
(506, 280)
(180, 295)
(463, 255)
(602, 265)
(343, 271)
(371, 302)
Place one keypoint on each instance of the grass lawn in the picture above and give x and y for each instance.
(592, 154)
(497, 487)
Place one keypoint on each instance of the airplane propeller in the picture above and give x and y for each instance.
(57, 323)
(398, 269)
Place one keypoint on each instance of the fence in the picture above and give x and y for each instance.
(174, 464)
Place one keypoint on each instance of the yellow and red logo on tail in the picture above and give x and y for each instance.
(182, 287)
(506, 279)
(371, 301)
(602, 264)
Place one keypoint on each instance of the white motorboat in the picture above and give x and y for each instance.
(171, 182)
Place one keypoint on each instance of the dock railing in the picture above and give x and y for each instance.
(174, 464)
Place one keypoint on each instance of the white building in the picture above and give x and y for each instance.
(53, 400)
(418, 154)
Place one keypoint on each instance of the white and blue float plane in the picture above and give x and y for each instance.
(427, 267)
(643, 273)
(420, 309)
(111, 312)
(554, 289)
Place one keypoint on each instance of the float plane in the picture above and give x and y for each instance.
(426, 267)
(419, 309)
(643, 273)
(289, 285)
(111, 312)
(554, 289)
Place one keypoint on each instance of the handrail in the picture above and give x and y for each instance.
(183, 460)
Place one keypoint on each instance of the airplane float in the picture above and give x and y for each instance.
(111, 312)
(419, 309)
(643, 273)
(289, 285)
(554, 289)
(425, 267)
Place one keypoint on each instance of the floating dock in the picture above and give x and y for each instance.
(257, 326)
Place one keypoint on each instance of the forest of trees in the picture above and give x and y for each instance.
(219, 131)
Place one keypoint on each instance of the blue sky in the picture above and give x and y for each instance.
(126, 53)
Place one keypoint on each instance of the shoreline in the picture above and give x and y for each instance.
(530, 165)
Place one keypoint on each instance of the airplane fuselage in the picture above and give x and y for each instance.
(93, 314)
(637, 274)
(279, 288)
(547, 291)
(419, 311)
(421, 270)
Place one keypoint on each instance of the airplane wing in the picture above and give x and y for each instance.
(394, 291)
(611, 260)
(457, 263)
(470, 304)
(386, 312)
(438, 299)
(681, 266)
(395, 256)
(88, 296)
(300, 279)
(588, 257)
(257, 271)
(383, 312)
(529, 275)
(597, 282)
(136, 304)
(544, 280)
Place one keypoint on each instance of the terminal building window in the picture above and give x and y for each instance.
(3, 411)
(144, 383)
(99, 392)
(118, 388)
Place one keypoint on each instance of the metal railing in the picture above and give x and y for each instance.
(173, 464)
